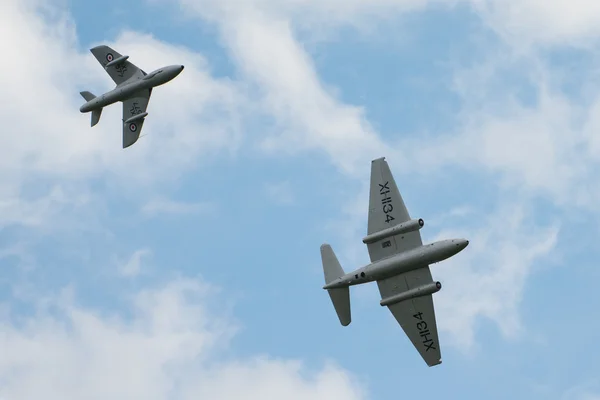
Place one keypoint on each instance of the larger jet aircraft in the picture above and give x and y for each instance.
(134, 87)
(399, 264)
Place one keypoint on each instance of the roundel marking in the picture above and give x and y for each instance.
(109, 57)
(132, 127)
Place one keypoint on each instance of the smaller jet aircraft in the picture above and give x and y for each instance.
(399, 264)
(134, 87)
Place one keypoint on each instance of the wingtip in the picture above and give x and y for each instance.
(435, 363)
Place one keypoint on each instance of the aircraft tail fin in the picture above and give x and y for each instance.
(88, 96)
(96, 116)
(331, 266)
(340, 297)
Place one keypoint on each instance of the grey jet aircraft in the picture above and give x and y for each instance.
(399, 264)
(134, 87)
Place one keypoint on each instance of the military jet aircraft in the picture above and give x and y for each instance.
(399, 263)
(134, 87)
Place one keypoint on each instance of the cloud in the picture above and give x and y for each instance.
(521, 22)
(166, 350)
(497, 130)
(306, 113)
(488, 278)
(197, 114)
(529, 147)
(541, 143)
(36, 212)
(526, 22)
(45, 138)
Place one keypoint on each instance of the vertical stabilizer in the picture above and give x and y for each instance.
(88, 96)
(340, 297)
(331, 266)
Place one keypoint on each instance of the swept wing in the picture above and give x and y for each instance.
(133, 107)
(119, 71)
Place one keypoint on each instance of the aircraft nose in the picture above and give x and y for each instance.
(182, 67)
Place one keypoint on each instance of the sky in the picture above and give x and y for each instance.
(187, 266)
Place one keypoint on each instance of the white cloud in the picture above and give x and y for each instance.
(548, 146)
(36, 212)
(45, 137)
(499, 132)
(307, 115)
(488, 278)
(528, 149)
(525, 22)
(520, 22)
(167, 350)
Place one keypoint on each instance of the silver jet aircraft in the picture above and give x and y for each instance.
(399, 263)
(134, 87)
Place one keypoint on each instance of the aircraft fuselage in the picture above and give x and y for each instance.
(135, 84)
(401, 262)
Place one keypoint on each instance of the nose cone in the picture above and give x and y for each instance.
(463, 243)
(177, 70)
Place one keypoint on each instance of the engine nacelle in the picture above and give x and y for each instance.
(116, 61)
(136, 117)
(419, 291)
(405, 227)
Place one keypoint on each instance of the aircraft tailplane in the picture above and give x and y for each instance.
(340, 297)
(88, 96)
(96, 116)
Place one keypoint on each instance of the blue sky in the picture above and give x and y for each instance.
(187, 266)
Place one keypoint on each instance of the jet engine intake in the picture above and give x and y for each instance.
(405, 227)
(418, 291)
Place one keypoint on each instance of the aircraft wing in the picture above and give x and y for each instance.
(415, 316)
(137, 104)
(119, 72)
(386, 209)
